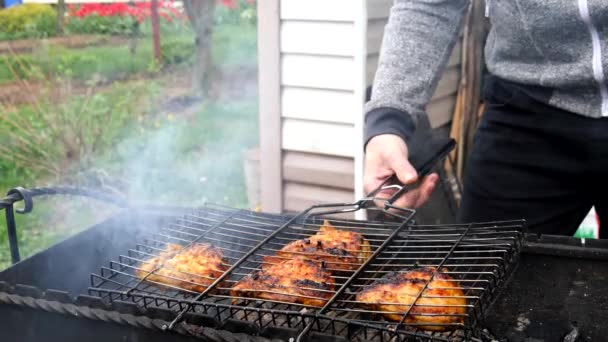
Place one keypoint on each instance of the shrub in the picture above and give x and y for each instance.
(60, 141)
(22, 68)
(236, 12)
(28, 20)
(119, 18)
(177, 50)
(97, 24)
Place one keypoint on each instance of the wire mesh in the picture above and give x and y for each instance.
(471, 262)
(475, 258)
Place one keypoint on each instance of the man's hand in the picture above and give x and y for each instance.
(387, 155)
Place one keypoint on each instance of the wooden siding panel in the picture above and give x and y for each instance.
(456, 56)
(440, 110)
(378, 8)
(321, 38)
(318, 71)
(319, 137)
(298, 197)
(449, 82)
(320, 10)
(375, 33)
(319, 104)
(308, 168)
(370, 68)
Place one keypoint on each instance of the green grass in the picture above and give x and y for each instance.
(110, 62)
(188, 161)
(235, 45)
(166, 159)
(232, 46)
(53, 220)
(174, 161)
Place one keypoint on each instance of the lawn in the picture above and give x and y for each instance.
(234, 45)
(189, 161)
(182, 162)
(163, 157)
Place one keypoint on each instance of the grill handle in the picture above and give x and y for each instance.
(425, 153)
(26, 195)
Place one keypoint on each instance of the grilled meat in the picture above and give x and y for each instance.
(191, 268)
(299, 280)
(340, 250)
(397, 290)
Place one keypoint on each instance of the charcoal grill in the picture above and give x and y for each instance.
(480, 257)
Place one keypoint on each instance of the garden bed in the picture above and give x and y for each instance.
(72, 41)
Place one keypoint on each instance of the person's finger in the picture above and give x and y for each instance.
(408, 200)
(404, 171)
(372, 184)
(416, 198)
(373, 177)
(426, 188)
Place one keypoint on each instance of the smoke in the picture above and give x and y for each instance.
(190, 154)
(185, 151)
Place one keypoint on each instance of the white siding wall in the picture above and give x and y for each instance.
(318, 76)
(328, 55)
(319, 44)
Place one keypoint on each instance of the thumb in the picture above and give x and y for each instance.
(404, 171)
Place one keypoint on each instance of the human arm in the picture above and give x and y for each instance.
(417, 44)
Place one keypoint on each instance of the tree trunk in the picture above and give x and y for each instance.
(60, 16)
(156, 32)
(200, 14)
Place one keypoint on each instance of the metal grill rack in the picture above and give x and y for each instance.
(479, 257)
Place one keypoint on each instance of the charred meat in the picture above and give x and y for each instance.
(340, 250)
(442, 304)
(299, 280)
(191, 268)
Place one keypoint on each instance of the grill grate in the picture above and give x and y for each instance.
(478, 258)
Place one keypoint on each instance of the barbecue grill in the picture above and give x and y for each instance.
(479, 257)
(99, 265)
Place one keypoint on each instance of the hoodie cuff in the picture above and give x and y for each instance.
(387, 120)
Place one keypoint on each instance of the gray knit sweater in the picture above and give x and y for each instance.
(557, 47)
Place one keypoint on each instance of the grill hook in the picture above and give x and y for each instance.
(25, 196)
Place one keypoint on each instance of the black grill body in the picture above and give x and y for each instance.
(558, 292)
(557, 289)
(61, 273)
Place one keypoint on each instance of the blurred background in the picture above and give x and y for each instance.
(147, 100)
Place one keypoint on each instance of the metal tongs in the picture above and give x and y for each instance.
(424, 155)
(425, 152)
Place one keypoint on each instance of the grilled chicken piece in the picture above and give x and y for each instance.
(299, 280)
(340, 250)
(396, 291)
(191, 268)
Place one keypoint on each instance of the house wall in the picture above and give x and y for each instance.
(319, 101)
(326, 54)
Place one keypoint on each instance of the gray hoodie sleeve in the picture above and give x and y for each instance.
(418, 41)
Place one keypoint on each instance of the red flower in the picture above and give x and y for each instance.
(140, 11)
(234, 4)
(229, 3)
